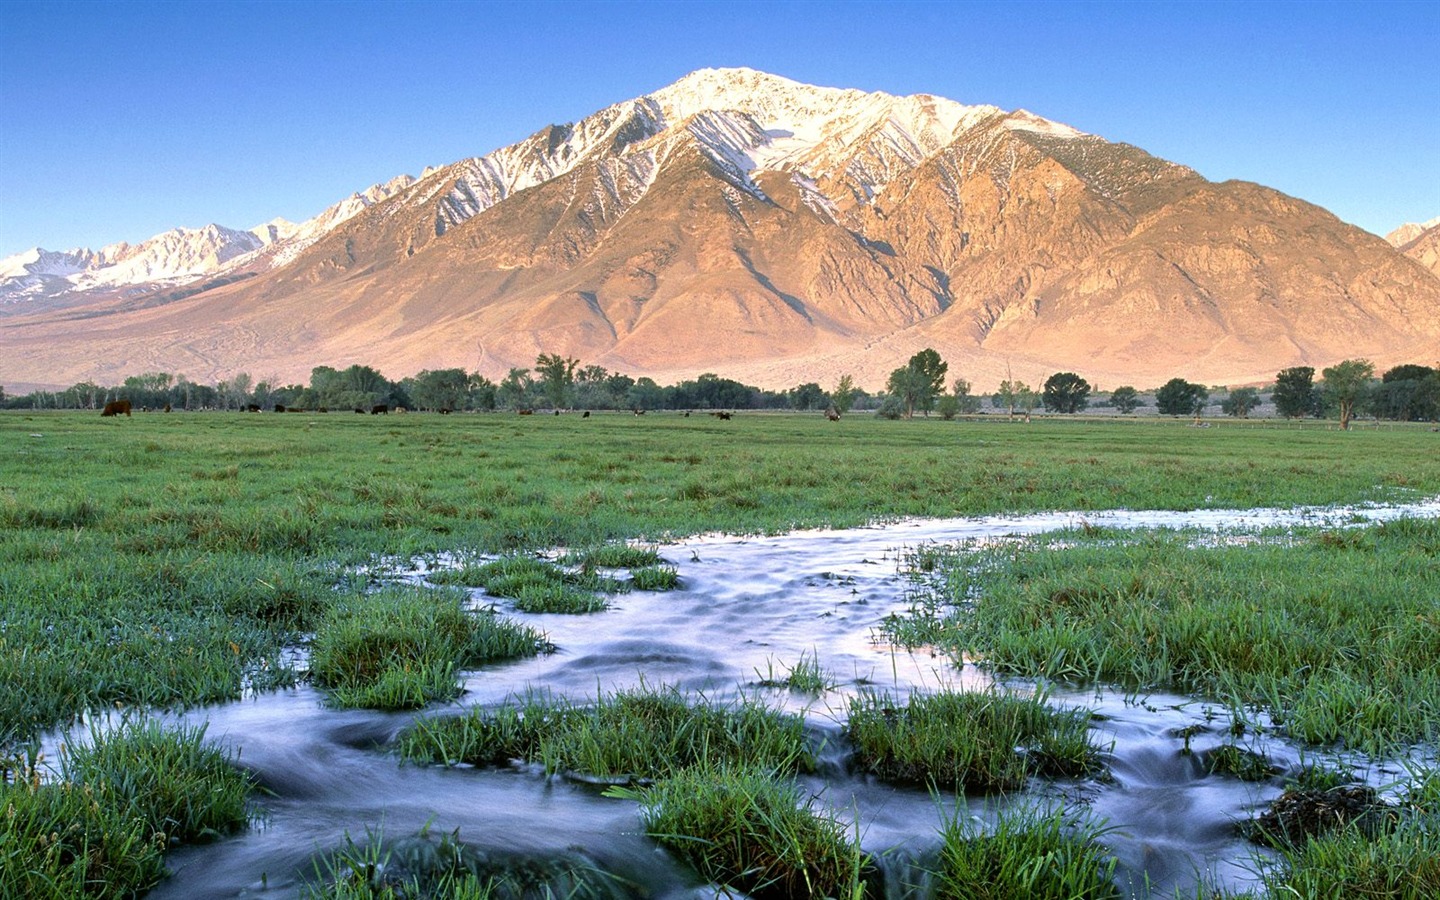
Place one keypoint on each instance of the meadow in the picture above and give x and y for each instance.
(168, 560)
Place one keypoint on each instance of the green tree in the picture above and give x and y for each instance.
(843, 397)
(441, 389)
(948, 406)
(1026, 400)
(1066, 392)
(481, 392)
(557, 374)
(1347, 385)
(1178, 397)
(515, 388)
(1294, 395)
(917, 383)
(645, 394)
(808, 396)
(965, 402)
(1125, 399)
(1408, 394)
(1241, 402)
(1005, 397)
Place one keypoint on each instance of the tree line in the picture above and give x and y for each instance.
(1346, 390)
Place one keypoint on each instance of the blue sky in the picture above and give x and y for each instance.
(121, 120)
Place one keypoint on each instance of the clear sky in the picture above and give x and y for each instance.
(119, 120)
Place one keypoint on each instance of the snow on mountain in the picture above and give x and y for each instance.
(274, 231)
(840, 146)
(1410, 231)
(174, 254)
(180, 254)
(308, 232)
(45, 262)
(745, 122)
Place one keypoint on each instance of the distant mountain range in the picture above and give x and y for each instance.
(741, 223)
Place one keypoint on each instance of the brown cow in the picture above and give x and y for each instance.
(832, 413)
(525, 412)
(380, 409)
(116, 407)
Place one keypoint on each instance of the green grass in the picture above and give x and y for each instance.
(536, 586)
(126, 796)
(402, 647)
(1236, 761)
(167, 560)
(655, 578)
(1339, 841)
(615, 556)
(743, 828)
(639, 734)
(1335, 639)
(987, 740)
(430, 867)
(805, 676)
(1029, 855)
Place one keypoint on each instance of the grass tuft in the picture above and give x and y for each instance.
(427, 867)
(743, 828)
(638, 734)
(127, 795)
(1246, 765)
(655, 578)
(804, 677)
(400, 648)
(1028, 855)
(989, 741)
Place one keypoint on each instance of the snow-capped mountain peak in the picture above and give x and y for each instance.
(1410, 231)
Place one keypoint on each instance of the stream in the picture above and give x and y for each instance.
(747, 608)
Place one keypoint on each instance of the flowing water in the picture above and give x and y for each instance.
(747, 608)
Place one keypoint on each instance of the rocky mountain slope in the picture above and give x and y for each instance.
(775, 232)
(1422, 245)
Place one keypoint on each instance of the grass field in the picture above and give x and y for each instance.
(169, 560)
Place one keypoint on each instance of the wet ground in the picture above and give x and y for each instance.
(747, 609)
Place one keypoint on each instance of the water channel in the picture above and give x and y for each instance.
(746, 607)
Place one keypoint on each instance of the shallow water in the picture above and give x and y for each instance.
(747, 608)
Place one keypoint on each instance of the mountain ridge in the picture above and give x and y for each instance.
(741, 222)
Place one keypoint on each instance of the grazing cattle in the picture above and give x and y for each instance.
(360, 411)
(166, 409)
(832, 413)
(324, 409)
(445, 410)
(252, 407)
(637, 411)
(399, 409)
(585, 414)
(525, 412)
(687, 413)
(380, 409)
(115, 408)
(722, 415)
(557, 412)
(279, 407)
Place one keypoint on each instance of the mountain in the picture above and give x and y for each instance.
(745, 224)
(1424, 246)
(1410, 231)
